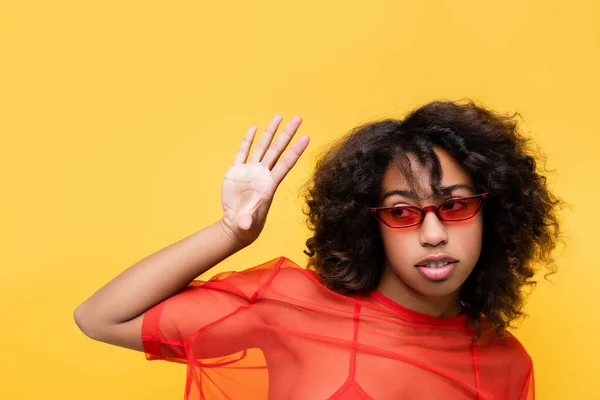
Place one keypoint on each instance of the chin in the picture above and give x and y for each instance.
(440, 290)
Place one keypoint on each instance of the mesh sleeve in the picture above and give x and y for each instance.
(529, 389)
(176, 328)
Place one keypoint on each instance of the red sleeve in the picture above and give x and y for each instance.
(208, 319)
(529, 389)
(505, 368)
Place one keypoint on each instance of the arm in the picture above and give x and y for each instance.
(115, 312)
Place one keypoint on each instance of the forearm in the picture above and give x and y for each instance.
(155, 278)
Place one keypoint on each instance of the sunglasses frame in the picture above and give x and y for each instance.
(423, 211)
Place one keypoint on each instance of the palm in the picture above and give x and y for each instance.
(249, 184)
(244, 185)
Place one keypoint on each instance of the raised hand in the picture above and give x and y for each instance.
(250, 184)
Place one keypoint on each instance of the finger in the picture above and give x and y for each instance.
(244, 149)
(285, 163)
(279, 145)
(265, 140)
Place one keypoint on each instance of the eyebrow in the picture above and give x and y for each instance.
(414, 196)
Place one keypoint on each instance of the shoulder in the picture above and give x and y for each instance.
(507, 354)
(279, 281)
(510, 345)
(280, 272)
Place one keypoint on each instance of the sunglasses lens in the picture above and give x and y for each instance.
(459, 209)
(401, 216)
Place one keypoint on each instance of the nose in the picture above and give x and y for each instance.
(433, 231)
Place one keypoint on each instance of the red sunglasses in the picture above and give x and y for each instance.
(457, 209)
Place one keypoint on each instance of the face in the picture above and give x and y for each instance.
(405, 247)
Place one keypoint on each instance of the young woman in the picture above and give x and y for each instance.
(425, 231)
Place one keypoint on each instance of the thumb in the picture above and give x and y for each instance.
(245, 221)
(245, 218)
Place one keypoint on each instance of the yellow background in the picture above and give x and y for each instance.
(119, 119)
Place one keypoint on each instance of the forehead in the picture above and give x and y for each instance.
(452, 174)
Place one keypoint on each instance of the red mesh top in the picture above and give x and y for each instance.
(275, 332)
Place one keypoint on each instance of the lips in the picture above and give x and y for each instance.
(438, 273)
(436, 267)
(438, 258)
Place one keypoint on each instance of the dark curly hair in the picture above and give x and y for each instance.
(520, 225)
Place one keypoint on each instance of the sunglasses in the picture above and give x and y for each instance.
(457, 209)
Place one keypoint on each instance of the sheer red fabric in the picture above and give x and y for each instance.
(275, 332)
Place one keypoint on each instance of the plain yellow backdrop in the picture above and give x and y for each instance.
(119, 119)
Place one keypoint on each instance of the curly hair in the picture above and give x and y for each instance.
(520, 225)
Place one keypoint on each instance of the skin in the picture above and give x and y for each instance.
(401, 280)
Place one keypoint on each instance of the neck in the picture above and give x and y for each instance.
(438, 306)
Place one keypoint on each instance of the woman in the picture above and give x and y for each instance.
(425, 231)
